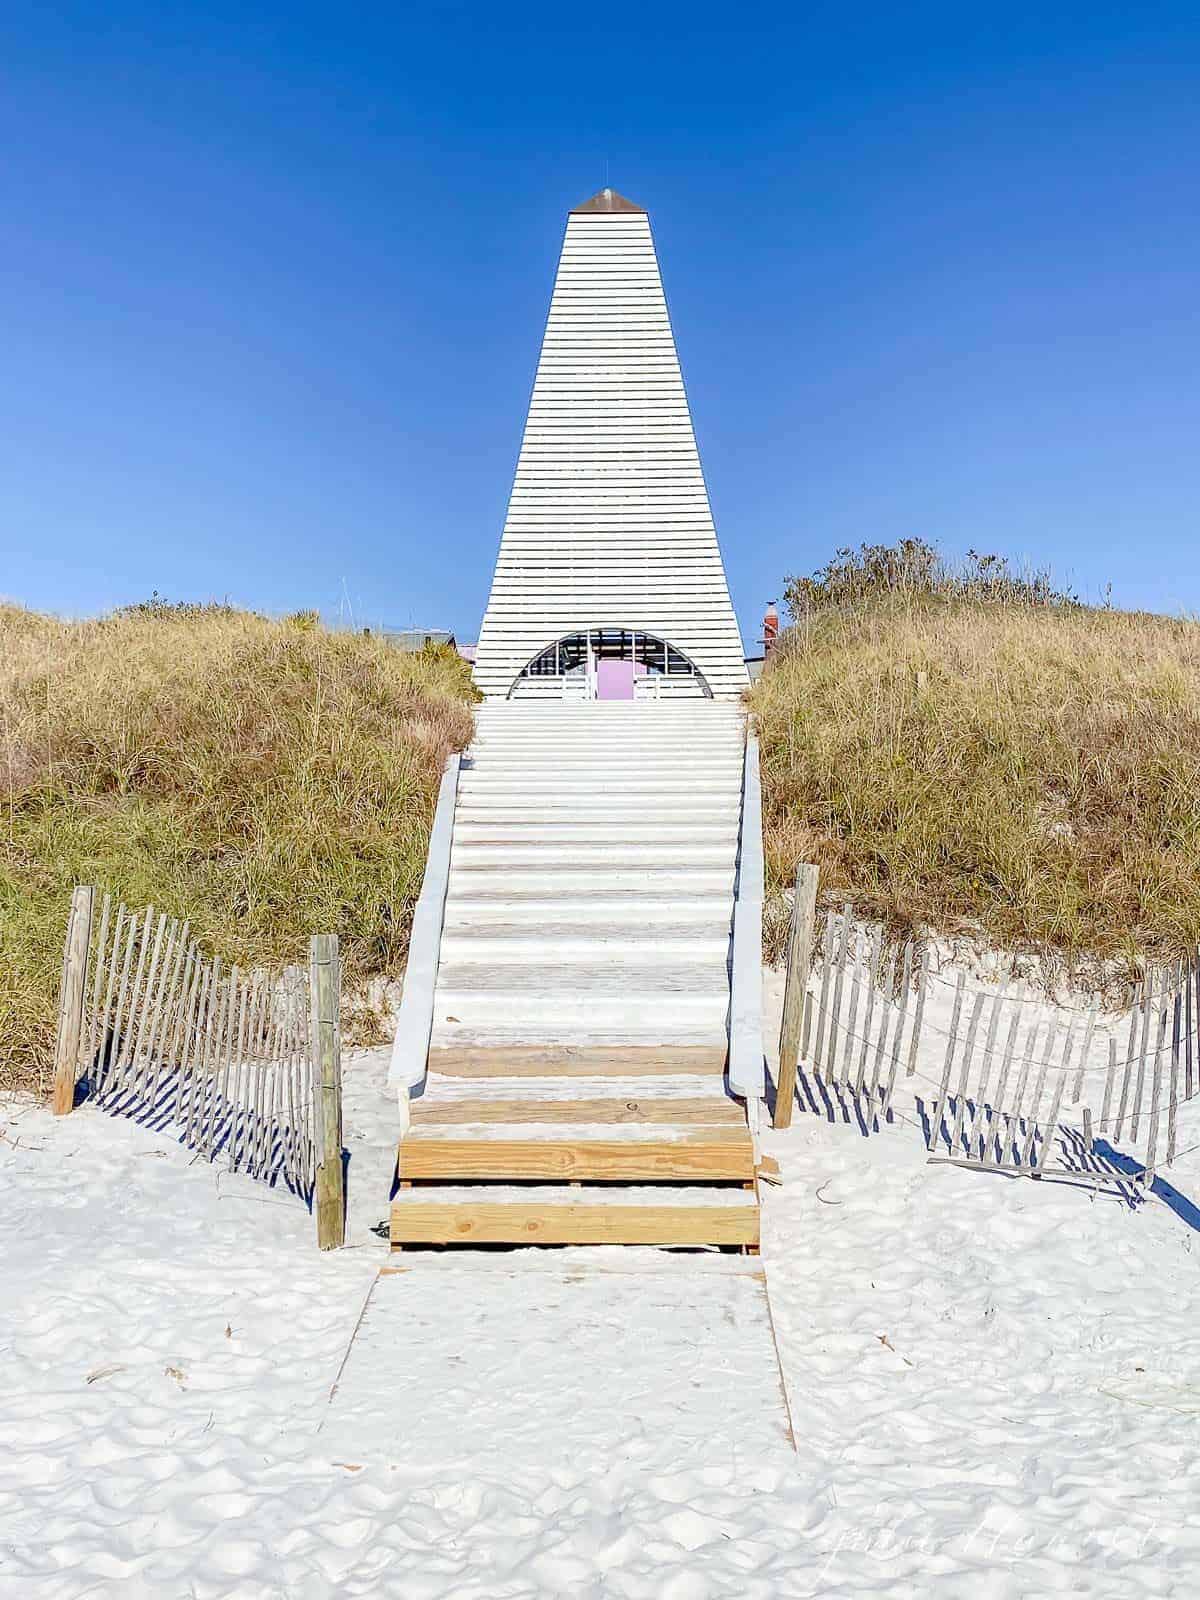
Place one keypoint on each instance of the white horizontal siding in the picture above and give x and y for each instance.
(609, 521)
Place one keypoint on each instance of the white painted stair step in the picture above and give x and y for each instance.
(467, 855)
(663, 1034)
(555, 879)
(649, 911)
(724, 761)
(592, 810)
(583, 748)
(616, 772)
(594, 749)
(571, 1018)
(567, 943)
(631, 831)
(624, 778)
(707, 1086)
(582, 978)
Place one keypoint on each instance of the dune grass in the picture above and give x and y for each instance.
(1019, 769)
(266, 779)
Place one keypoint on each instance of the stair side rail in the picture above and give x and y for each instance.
(747, 1076)
(414, 1024)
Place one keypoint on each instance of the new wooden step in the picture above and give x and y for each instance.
(594, 942)
(638, 1153)
(554, 1215)
(689, 1100)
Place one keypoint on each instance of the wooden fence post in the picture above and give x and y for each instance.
(324, 996)
(71, 999)
(800, 940)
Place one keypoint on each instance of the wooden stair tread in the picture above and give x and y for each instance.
(707, 1086)
(560, 1194)
(550, 1215)
(579, 1131)
(499, 1057)
(716, 1154)
(637, 1109)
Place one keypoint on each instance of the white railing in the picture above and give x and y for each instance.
(746, 1062)
(414, 1025)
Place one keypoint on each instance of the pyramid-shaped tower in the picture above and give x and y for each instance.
(609, 536)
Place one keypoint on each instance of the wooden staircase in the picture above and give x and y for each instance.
(575, 1089)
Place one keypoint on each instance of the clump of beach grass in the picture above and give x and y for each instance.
(972, 752)
(266, 779)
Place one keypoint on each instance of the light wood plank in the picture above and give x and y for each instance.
(708, 1155)
(72, 999)
(600, 1060)
(416, 1221)
(325, 1033)
(681, 1111)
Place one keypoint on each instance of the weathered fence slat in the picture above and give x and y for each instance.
(1027, 1060)
(327, 1075)
(1085, 1053)
(113, 1048)
(799, 959)
(964, 1076)
(990, 1119)
(874, 959)
(72, 1000)
(888, 984)
(948, 1064)
(985, 1075)
(1109, 1085)
(1031, 1120)
(139, 996)
(1147, 1006)
(919, 1016)
(1189, 1015)
(1051, 1122)
(835, 1014)
(1156, 1087)
(823, 1002)
(898, 1037)
(1176, 1047)
(98, 976)
(850, 1042)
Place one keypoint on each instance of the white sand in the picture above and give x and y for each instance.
(996, 1388)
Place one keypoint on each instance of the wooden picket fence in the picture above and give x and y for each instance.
(1015, 1081)
(244, 1066)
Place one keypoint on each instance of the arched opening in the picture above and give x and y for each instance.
(611, 664)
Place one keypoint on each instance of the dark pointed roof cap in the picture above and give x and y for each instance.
(607, 203)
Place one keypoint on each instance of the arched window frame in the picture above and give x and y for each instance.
(568, 654)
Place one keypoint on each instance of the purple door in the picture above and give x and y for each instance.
(614, 680)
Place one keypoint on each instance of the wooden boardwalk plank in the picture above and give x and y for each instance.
(417, 1219)
(681, 1111)
(621, 1060)
(713, 1154)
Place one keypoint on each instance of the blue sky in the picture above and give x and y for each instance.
(273, 284)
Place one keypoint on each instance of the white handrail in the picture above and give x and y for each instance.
(747, 1074)
(414, 1025)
